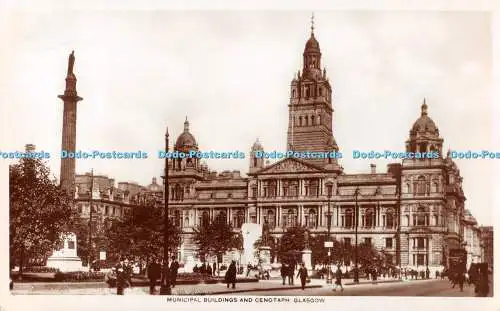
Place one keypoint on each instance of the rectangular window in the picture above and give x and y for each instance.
(347, 241)
(420, 259)
(254, 192)
(253, 219)
(420, 243)
(388, 242)
(368, 241)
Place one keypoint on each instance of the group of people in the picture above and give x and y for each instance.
(288, 271)
(206, 269)
(155, 269)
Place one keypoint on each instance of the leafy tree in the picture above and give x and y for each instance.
(320, 252)
(99, 240)
(216, 238)
(366, 254)
(140, 234)
(40, 212)
(292, 243)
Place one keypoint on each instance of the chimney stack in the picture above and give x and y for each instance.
(373, 168)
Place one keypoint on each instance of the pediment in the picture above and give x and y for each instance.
(290, 165)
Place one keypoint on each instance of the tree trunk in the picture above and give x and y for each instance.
(21, 262)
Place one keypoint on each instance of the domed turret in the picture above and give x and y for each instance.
(186, 141)
(154, 186)
(424, 135)
(312, 45)
(424, 124)
(257, 146)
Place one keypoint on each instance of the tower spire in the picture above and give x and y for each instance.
(312, 24)
(186, 125)
(424, 108)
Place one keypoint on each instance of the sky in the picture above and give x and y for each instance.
(229, 72)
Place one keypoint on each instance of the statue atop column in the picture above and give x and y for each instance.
(306, 240)
(71, 62)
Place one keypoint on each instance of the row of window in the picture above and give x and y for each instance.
(306, 120)
(108, 210)
(308, 91)
(289, 189)
(421, 187)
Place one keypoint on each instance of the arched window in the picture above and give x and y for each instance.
(272, 188)
(294, 93)
(271, 220)
(348, 219)
(306, 121)
(177, 219)
(311, 219)
(407, 187)
(320, 91)
(312, 120)
(319, 120)
(369, 218)
(255, 161)
(421, 217)
(300, 120)
(291, 218)
(186, 221)
(222, 217)
(205, 218)
(189, 162)
(421, 185)
(313, 188)
(423, 147)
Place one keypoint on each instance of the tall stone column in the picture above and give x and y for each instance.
(70, 99)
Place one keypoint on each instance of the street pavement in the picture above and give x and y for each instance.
(432, 287)
(267, 288)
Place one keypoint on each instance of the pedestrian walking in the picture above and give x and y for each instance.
(121, 276)
(338, 279)
(302, 273)
(154, 273)
(230, 276)
(284, 272)
(214, 268)
(174, 268)
(291, 271)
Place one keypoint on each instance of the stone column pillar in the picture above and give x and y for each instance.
(306, 258)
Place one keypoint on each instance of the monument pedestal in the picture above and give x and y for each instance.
(306, 258)
(65, 259)
(265, 255)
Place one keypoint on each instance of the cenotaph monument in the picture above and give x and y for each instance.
(65, 259)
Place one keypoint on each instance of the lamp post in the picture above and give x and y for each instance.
(165, 284)
(91, 249)
(329, 225)
(398, 229)
(356, 271)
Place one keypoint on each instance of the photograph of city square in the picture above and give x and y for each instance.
(252, 153)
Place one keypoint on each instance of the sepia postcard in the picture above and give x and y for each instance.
(267, 158)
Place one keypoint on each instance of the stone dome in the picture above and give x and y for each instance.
(312, 45)
(154, 186)
(257, 146)
(186, 140)
(424, 123)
